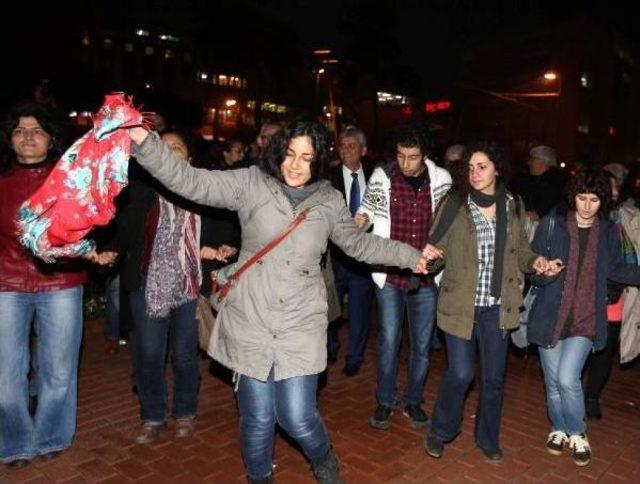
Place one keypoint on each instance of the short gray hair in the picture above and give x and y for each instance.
(352, 131)
(454, 152)
(545, 153)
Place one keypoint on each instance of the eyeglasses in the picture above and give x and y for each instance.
(29, 133)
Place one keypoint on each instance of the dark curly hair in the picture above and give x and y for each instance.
(413, 135)
(45, 118)
(460, 171)
(591, 180)
(276, 151)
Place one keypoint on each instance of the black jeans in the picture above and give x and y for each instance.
(600, 362)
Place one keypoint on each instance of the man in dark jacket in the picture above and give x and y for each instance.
(543, 188)
(354, 277)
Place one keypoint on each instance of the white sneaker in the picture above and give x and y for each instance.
(580, 449)
(556, 442)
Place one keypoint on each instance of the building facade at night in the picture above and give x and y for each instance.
(573, 86)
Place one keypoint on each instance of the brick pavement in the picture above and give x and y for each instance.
(103, 450)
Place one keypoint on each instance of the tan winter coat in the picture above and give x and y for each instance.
(630, 329)
(276, 315)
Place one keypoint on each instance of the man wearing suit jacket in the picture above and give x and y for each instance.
(354, 277)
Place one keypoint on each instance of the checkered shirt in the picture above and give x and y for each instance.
(486, 233)
(411, 218)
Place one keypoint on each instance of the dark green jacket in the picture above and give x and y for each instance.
(456, 302)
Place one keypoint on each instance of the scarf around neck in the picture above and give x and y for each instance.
(579, 294)
(450, 209)
(174, 273)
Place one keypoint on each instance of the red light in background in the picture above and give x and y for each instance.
(612, 130)
(431, 107)
(406, 110)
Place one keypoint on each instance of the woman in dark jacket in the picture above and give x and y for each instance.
(158, 239)
(569, 316)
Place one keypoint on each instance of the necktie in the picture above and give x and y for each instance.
(354, 195)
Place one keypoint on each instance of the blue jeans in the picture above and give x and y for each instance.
(360, 289)
(112, 292)
(421, 312)
(492, 345)
(292, 404)
(58, 320)
(562, 367)
(150, 340)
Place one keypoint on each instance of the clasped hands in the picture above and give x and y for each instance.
(541, 265)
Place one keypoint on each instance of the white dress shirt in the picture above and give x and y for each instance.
(348, 180)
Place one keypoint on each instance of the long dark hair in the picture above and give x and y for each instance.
(45, 118)
(276, 151)
(460, 171)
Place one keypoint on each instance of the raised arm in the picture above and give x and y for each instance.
(223, 189)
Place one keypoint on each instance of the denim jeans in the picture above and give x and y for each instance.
(360, 289)
(421, 312)
(292, 404)
(492, 345)
(562, 367)
(112, 293)
(150, 340)
(58, 320)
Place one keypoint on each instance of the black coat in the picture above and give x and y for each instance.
(542, 193)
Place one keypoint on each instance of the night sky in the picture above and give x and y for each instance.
(415, 45)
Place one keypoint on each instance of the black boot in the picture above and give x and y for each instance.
(327, 471)
(592, 406)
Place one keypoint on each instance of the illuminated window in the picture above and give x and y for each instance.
(142, 33)
(388, 99)
(223, 80)
(251, 104)
(244, 83)
(85, 40)
(148, 50)
(107, 44)
(168, 54)
(128, 47)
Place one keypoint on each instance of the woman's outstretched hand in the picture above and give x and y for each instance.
(222, 253)
(138, 135)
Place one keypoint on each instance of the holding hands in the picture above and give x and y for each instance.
(544, 267)
(222, 253)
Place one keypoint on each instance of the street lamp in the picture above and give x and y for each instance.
(553, 76)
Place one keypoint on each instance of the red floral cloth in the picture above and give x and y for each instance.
(79, 193)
